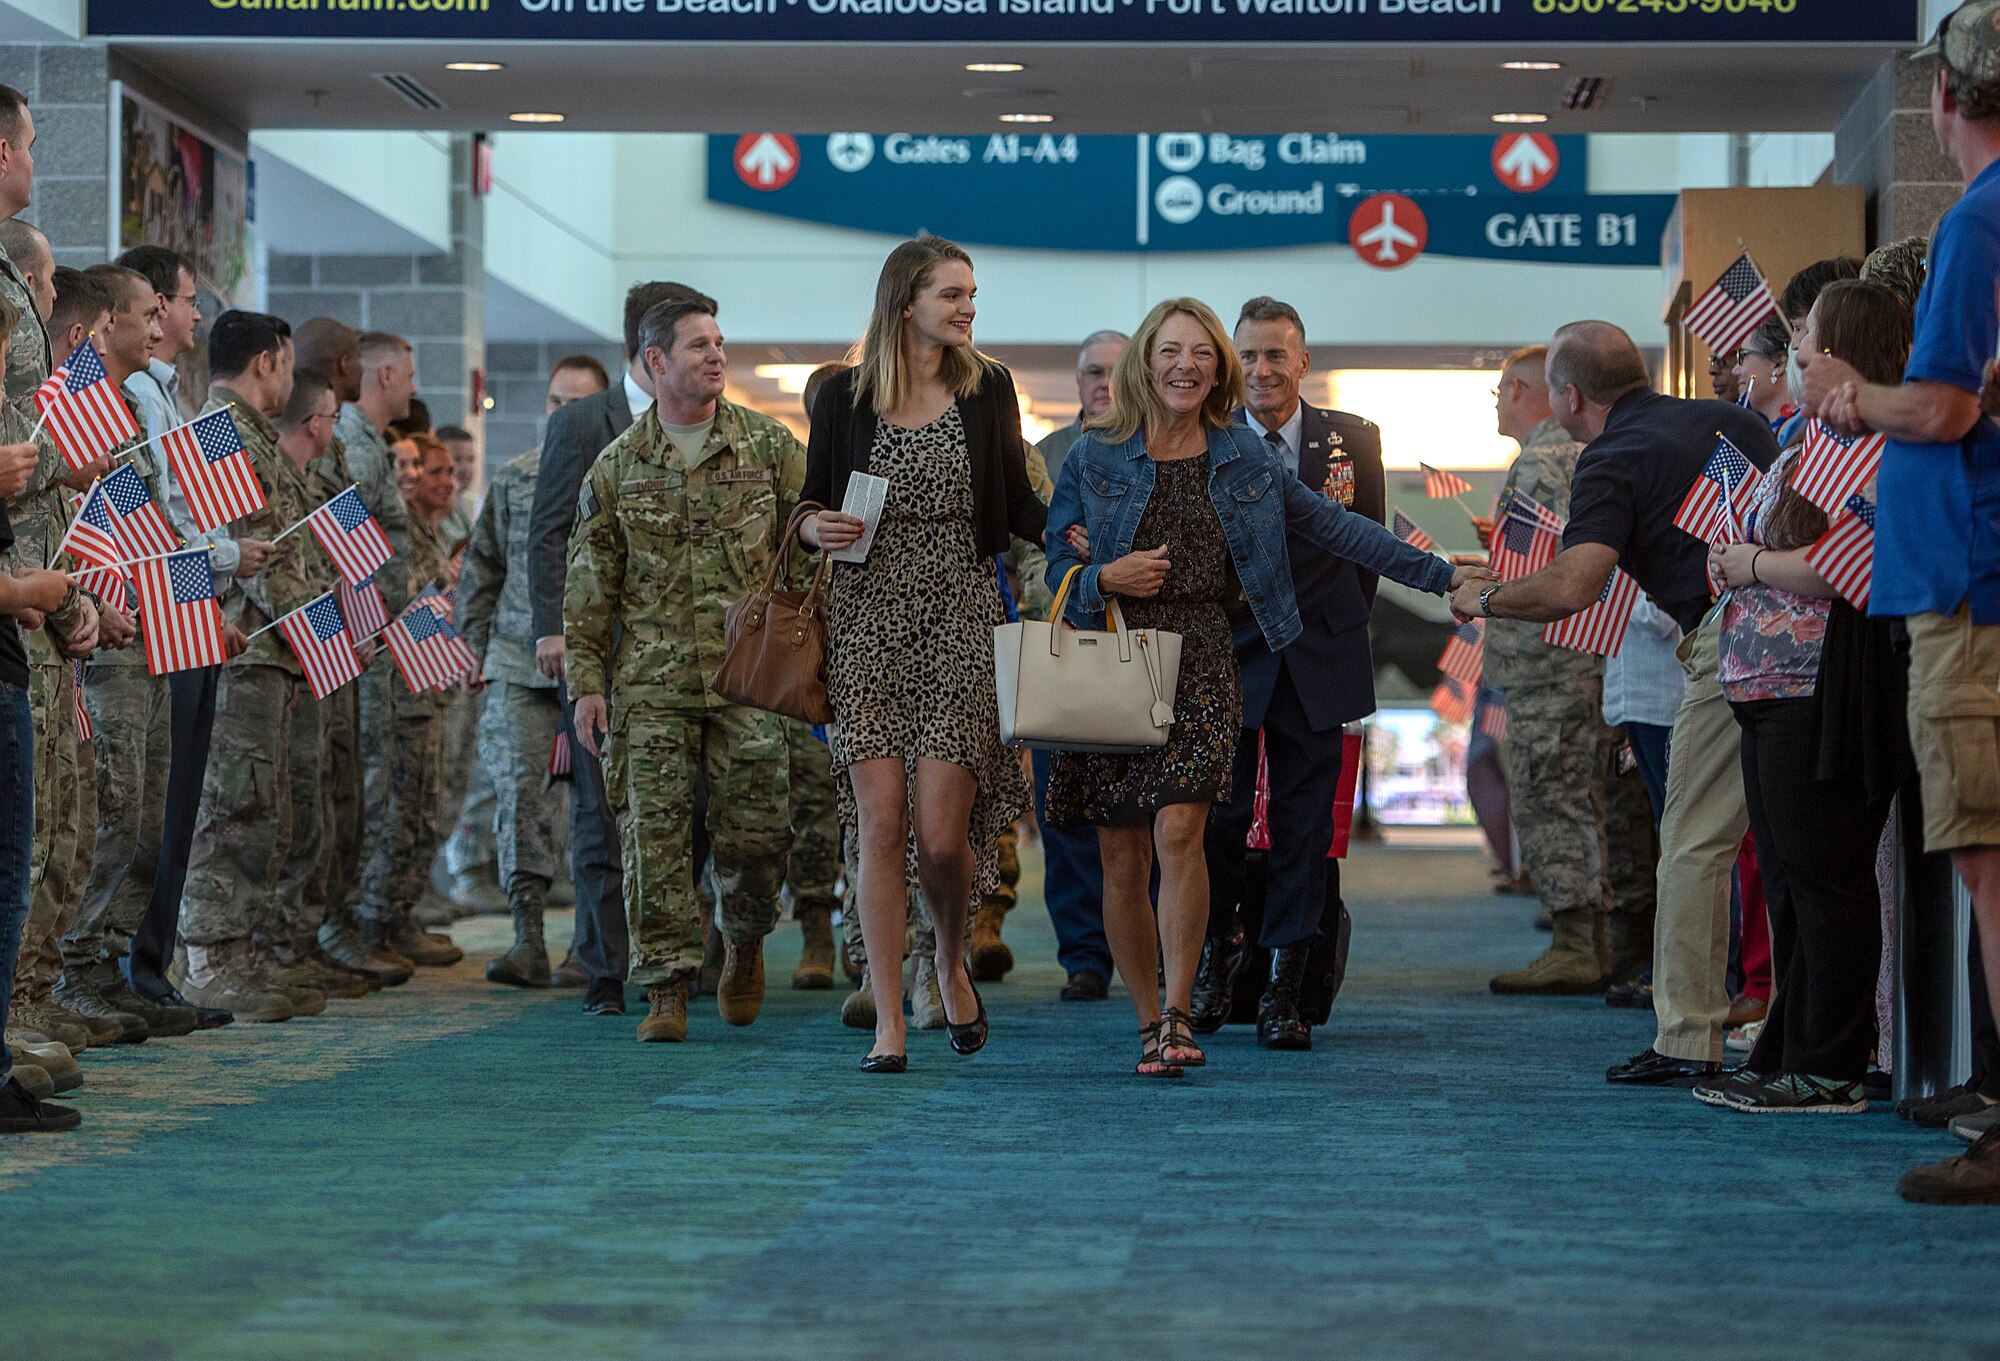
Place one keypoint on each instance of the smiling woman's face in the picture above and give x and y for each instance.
(1184, 364)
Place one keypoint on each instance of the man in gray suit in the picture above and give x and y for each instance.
(577, 434)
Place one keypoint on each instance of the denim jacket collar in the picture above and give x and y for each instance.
(1222, 446)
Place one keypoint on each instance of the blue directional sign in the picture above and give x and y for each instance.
(1333, 22)
(1515, 197)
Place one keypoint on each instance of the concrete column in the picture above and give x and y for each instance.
(68, 88)
(1885, 143)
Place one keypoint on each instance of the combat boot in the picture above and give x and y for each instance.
(815, 970)
(712, 952)
(987, 956)
(224, 976)
(926, 1002)
(739, 994)
(1280, 1023)
(306, 999)
(422, 948)
(527, 964)
(666, 1013)
(858, 1011)
(344, 946)
(1631, 939)
(73, 993)
(569, 973)
(321, 975)
(33, 1077)
(52, 1058)
(46, 1021)
(1215, 980)
(163, 1019)
(434, 909)
(476, 890)
(1568, 968)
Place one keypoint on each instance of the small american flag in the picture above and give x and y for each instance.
(135, 517)
(1844, 556)
(318, 635)
(208, 458)
(83, 408)
(1439, 484)
(1406, 529)
(1601, 628)
(1464, 653)
(436, 601)
(91, 538)
(83, 728)
(1452, 701)
(1735, 306)
(183, 621)
(1527, 539)
(1831, 469)
(1493, 720)
(1713, 509)
(350, 536)
(559, 757)
(428, 653)
(361, 606)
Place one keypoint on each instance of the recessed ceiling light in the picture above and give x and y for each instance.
(1027, 118)
(1520, 118)
(1000, 67)
(1531, 66)
(535, 118)
(475, 66)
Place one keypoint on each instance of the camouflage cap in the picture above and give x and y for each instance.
(1968, 41)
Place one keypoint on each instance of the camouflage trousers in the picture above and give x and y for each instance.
(1556, 755)
(243, 836)
(65, 825)
(814, 868)
(299, 907)
(472, 844)
(129, 708)
(342, 822)
(1631, 848)
(465, 794)
(517, 731)
(402, 834)
(649, 775)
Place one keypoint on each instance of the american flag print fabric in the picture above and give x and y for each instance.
(83, 725)
(1439, 484)
(83, 409)
(1452, 701)
(213, 469)
(1465, 652)
(561, 765)
(1714, 507)
(136, 520)
(1844, 556)
(1832, 468)
(350, 536)
(183, 619)
(1734, 306)
(318, 638)
(1406, 529)
(428, 653)
(1600, 628)
(1526, 539)
(361, 605)
(91, 538)
(1493, 721)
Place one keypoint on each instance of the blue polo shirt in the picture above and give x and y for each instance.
(1937, 524)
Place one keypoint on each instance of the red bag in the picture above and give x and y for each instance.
(1343, 803)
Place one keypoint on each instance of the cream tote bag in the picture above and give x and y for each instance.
(1069, 690)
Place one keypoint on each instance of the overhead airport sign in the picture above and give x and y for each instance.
(1464, 196)
(1405, 22)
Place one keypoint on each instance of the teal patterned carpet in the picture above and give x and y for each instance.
(452, 1170)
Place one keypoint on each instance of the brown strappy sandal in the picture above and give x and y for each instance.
(1177, 1044)
(1151, 1062)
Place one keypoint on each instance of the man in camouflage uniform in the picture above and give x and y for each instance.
(248, 846)
(678, 519)
(403, 793)
(1558, 753)
(518, 715)
(40, 515)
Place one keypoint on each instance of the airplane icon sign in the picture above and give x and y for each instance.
(1388, 231)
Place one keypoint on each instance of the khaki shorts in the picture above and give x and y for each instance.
(1955, 728)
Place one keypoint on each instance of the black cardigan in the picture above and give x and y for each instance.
(1004, 505)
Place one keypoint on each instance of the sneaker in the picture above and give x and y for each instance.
(1941, 1108)
(21, 1112)
(1973, 1179)
(1729, 1090)
(1803, 1094)
(1973, 1127)
(605, 997)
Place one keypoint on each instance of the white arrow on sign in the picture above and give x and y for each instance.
(1525, 162)
(767, 160)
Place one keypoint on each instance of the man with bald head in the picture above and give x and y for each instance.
(1642, 452)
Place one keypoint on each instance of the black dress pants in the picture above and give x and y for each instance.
(191, 720)
(1816, 843)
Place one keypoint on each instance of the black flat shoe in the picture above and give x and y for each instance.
(970, 1038)
(885, 1063)
(604, 997)
(1654, 1069)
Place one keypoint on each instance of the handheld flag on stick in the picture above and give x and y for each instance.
(213, 469)
(1733, 308)
(350, 536)
(182, 619)
(83, 409)
(1709, 511)
(1406, 529)
(1465, 652)
(318, 637)
(91, 537)
(1831, 468)
(1526, 540)
(427, 651)
(1600, 628)
(361, 606)
(1452, 700)
(136, 520)
(1845, 555)
(83, 726)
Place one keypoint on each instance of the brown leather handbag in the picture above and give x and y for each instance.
(774, 641)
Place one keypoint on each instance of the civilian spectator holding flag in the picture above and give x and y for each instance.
(1816, 817)
(1643, 453)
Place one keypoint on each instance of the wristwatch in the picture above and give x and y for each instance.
(1486, 610)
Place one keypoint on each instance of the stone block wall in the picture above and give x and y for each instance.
(1885, 143)
(68, 88)
(517, 377)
